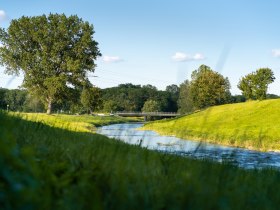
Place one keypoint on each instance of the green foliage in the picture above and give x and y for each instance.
(208, 88)
(124, 97)
(185, 102)
(254, 85)
(174, 89)
(110, 106)
(272, 96)
(129, 97)
(151, 106)
(33, 104)
(15, 99)
(173, 95)
(43, 167)
(246, 85)
(238, 99)
(19, 183)
(54, 52)
(91, 98)
(253, 125)
(3, 104)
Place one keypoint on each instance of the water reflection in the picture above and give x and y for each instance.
(241, 157)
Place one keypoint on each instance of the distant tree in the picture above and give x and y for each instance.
(15, 99)
(209, 88)
(238, 99)
(129, 97)
(185, 103)
(150, 87)
(263, 77)
(150, 92)
(151, 106)
(272, 96)
(173, 96)
(129, 85)
(255, 85)
(54, 53)
(163, 98)
(91, 98)
(174, 89)
(33, 104)
(246, 85)
(110, 106)
(3, 104)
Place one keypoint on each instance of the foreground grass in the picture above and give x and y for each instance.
(80, 123)
(253, 125)
(43, 167)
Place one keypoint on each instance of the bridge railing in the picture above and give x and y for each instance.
(147, 113)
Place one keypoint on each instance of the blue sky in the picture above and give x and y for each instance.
(162, 42)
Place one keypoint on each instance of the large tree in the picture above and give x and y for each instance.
(255, 85)
(208, 88)
(54, 52)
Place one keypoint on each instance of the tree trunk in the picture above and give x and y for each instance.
(49, 110)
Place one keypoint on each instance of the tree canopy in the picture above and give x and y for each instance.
(91, 98)
(208, 88)
(185, 103)
(129, 97)
(255, 84)
(151, 106)
(54, 52)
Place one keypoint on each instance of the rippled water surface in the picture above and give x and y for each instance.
(242, 157)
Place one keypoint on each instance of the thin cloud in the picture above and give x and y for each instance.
(198, 56)
(3, 15)
(183, 57)
(276, 53)
(112, 59)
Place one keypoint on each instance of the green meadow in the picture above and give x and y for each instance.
(47, 167)
(80, 123)
(253, 125)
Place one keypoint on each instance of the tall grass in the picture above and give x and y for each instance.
(253, 125)
(80, 123)
(44, 167)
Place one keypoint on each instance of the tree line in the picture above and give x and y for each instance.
(55, 53)
(200, 92)
(125, 97)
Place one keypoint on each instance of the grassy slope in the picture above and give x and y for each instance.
(82, 123)
(43, 167)
(253, 125)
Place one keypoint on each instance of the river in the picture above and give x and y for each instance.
(244, 158)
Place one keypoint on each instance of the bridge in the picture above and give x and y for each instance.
(147, 114)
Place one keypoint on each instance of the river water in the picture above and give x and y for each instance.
(244, 158)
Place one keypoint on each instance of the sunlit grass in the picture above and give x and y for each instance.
(253, 124)
(43, 167)
(79, 123)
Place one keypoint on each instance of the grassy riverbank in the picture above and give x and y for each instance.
(253, 125)
(80, 123)
(43, 167)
